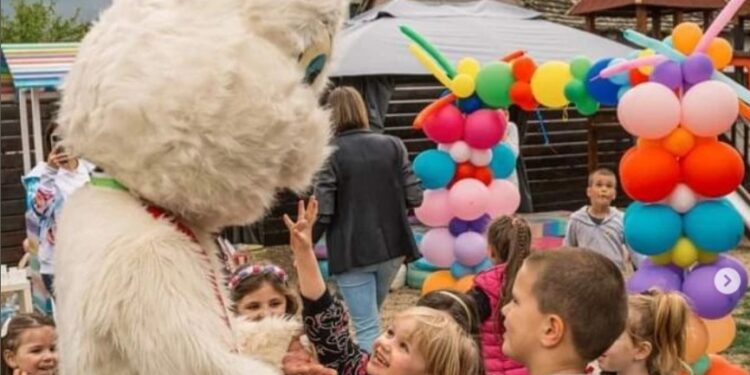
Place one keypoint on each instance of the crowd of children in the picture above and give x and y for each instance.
(538, 313)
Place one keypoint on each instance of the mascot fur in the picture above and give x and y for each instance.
(199, 112)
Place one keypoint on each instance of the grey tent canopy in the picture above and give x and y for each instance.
(371, 43)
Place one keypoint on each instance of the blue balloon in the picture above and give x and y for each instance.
(714, 226)
(620, 79)
(424, 265)
(458, 226)
(470, 104)
(458, 270)
(602, 90)
(485, 265)
(503, 161)
(651, 229)
(435, 168)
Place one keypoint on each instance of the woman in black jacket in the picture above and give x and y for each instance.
(365, 192)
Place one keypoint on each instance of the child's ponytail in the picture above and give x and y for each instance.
(671, 315)
(510, 242)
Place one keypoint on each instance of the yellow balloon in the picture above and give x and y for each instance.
(662, 259)
(721, 333)
(684, 253)
(438, 280)
(686, 36)
(468, 65)
(646, 69)
(462, 85)
(548, 83)
(705, 257)
(465, 284)
(720, 52)
(696, 338)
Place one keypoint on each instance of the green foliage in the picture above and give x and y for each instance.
(37, 22)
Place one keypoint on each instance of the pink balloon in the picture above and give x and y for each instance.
(445, 126)
(435, 210)
(504, 198)
(470, 248)
(437, 247)
(709, 108)
(649, 110)
(468, 199)
(484, 128)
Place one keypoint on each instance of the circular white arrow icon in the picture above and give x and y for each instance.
(727, 281)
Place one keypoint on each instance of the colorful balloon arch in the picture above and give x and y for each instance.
(671, 95)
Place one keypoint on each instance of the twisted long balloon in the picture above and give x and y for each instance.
(430, 49)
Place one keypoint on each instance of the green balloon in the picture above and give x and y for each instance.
(493, 84)
(575, 91)
(587, 107)
(579, 67)
(700, 366)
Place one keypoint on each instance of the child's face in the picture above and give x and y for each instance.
(263, 302)
(602, 190)
(623, 355)
(393, 354)
(523, 320)
(37, 354)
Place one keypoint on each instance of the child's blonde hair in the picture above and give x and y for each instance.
(660, 318)
(447, 348)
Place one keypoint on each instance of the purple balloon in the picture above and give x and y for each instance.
(458, 226)
(470, 249)
(652, 276)
(697, 68)
(479, 225)
(668, 73)
(646, 263)
(714, 290)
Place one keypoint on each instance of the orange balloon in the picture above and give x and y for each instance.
(643, 142)
(720, 366)
(649, 174)
(702, 140)
(679, 142)
(686, 36)
(523, 69)
(721, 333)
(696, 339)
(720, 52)
(713, 169)
(438, 280)
(465, 283)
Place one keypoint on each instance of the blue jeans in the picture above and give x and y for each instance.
(364, 290)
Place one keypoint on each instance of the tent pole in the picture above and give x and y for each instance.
(25, 147)
(36, 120)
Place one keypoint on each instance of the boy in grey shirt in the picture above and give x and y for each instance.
(599, 226)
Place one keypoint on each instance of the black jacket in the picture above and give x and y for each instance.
(365, 191)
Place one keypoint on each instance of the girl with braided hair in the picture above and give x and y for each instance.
(509, 242)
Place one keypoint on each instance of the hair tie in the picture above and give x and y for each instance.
(256, 269)
(460, 302)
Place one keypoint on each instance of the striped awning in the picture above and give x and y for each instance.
(38, 65)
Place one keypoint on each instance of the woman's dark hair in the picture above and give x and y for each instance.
(348, 110)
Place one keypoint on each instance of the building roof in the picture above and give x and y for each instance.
(627, 7)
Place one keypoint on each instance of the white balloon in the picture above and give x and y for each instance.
(460, 152)
(444, 146)
(481, 158)
(682, 199)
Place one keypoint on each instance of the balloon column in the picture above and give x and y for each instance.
(466, 177)
(679, 173)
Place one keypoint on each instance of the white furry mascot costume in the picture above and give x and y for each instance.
(199, 111)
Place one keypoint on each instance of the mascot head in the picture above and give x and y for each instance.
(205, 108)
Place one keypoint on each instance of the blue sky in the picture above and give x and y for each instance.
(89, 8)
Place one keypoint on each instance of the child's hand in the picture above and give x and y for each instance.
(300, 232)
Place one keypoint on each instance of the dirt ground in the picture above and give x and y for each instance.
(405, 297)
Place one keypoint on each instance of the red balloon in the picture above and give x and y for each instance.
(521, 95)
(523, 69)
(713, 169)
(720, 366)
(484, 174)
(649, 174)
(636, 77)
(465, 170)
